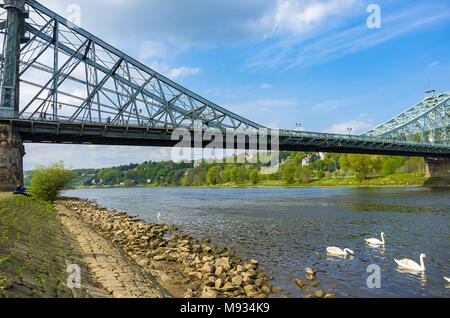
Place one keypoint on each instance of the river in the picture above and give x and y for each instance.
(288, 229)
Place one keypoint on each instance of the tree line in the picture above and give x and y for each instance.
(294, 168)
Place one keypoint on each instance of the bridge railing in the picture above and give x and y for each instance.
(343, 137)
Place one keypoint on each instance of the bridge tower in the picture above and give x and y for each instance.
(11, 145)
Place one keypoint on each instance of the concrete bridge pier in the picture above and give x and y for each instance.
(11, 158)
(438, 168)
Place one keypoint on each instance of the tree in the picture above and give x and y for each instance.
(303, 174)
(362, 165)
(390, 164)
(213, 175)
(254, 176)
(47, 182)
(288, 171)
(241, 175)
(320, 174)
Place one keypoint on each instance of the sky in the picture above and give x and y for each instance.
(275, 62)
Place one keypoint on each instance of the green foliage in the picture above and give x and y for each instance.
(291, 171)
(303, 174)
(254, 176)
(390, 164)
(288, 171)
(414, 165)
(239, 174)
(320, 174)
(213, 175)
(47, 182)
(362, 165)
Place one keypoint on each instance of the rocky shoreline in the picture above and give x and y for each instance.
(184, 267)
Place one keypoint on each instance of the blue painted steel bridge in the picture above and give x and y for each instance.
(61, 84)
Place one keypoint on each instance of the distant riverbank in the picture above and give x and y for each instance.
(394, 180)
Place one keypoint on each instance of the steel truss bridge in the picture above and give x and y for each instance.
(61, 84)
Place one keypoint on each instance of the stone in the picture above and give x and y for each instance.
(266, 289)
(240, 268)
(143, 263)
(207, 268)
(219, 270)
(218, 283)
(249, 289)
(228, 287)
(11, 158)
(319, 293)
(300, 283)
(159, 257)
(237, 281)
(277, 290)
(259, 282)
(209, 294)
(224, 262)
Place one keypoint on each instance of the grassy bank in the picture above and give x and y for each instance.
(35, 250)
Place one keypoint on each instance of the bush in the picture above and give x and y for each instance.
(303, 175)
(320, 174)
(46, 182)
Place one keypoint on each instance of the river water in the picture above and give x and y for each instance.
(288, 229)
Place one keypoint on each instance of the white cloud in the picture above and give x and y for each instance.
(432, 64)
(303, 16)
(319, 46)
(152, 49)
(174, 73)
(182, 71)
(265, 86)
(357, 126)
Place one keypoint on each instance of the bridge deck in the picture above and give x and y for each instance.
(38, 131)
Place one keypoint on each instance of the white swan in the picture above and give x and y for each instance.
(447, 279)
(374, 241)
(333, 250)
(409, 264)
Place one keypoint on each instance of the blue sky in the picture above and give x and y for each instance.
(276, 62)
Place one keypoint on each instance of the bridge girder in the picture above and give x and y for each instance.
(70, 75)
(428, 121)
(79, 89)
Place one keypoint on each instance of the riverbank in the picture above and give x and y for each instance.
(181, 265)
(35, 252)
(394, 180)
(119, 256)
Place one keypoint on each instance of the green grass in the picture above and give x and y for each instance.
(32, 248)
